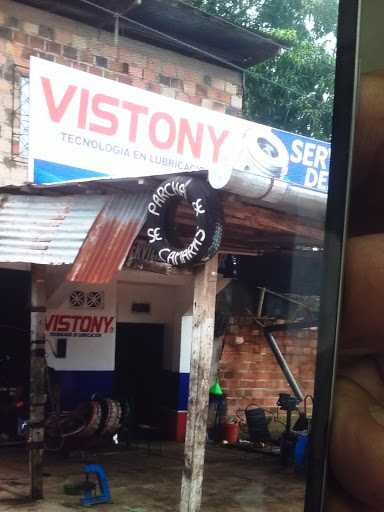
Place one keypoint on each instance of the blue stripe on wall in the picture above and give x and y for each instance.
(175, 390)
(183, 391)
(78, 386)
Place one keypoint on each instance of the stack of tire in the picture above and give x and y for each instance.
(98, 417)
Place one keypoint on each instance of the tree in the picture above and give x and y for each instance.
(293, 91)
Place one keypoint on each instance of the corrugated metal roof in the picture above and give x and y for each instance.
(173, 25)
(110, 238)
(45, 230)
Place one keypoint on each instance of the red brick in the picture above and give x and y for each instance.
(154, 88)
(30, 28)
(176, 83)
(258, 393)
(20, 37)
(63, 37)
(218, 84)
(136, 82)
(183, 97)
(79, 42)
(139, 60)
(189, 88)
(5, 86)
(206, 103)
(229, 338)
(80, 66)
(53, 47)
(110, 76)
(136, 72)
(150, 75)
(86, 57)
(124, 55)
(218, 107)
(168, 69)
(227, 356)
(125, 79)
(63, 62)
(225, 98)
(192, 76)
(115, 66)
(15, 50)
(95, 71)
(201, 90)
(154, 65)
(213, 94)
(230, 88)
(107, 51)
(243, 383)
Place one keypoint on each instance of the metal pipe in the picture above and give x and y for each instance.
(279, 356)
(277, 194)
(261, 302)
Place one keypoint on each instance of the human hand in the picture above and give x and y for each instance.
(357, 434)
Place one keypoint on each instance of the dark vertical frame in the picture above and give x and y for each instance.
(344, 113)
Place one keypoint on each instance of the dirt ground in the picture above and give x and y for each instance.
(234, 481)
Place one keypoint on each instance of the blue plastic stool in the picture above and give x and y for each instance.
(104, 488)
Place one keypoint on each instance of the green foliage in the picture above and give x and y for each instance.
(293, 91)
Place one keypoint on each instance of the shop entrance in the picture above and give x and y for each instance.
(14, 349)
(138, 369)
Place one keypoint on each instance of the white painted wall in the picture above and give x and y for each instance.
(170, 297)
(83, 353)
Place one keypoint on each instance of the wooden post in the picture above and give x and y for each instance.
(37, 394)
(201, 355)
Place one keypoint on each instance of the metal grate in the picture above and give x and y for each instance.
(90, 300)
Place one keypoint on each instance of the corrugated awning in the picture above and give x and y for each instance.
(110, 238)
(92, 232)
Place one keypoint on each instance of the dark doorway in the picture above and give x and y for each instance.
(14, 327)
(138, 368)
(14, 350)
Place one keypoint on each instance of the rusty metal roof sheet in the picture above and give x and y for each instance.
(45, 230)
(110, 238)
(94, 232)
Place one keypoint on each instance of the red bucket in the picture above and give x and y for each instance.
(229, 432)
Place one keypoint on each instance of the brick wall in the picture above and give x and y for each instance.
(249, 373)
(25, 31)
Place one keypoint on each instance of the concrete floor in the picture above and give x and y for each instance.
(234, 481)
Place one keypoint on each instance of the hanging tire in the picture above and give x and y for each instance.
(161, 219)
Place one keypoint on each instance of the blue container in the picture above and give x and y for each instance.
(301, 451)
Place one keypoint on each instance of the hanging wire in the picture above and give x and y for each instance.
(203, 52)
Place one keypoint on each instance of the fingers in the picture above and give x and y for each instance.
(338, 501)
(369, 134)
(367, 372)
(363, 319)
(357, 447)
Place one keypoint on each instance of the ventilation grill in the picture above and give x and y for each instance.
(89, 300)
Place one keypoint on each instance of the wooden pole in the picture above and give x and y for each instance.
(37, 394)
(201, 356)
